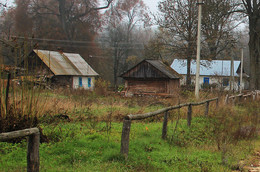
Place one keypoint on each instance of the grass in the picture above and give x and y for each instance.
(89, 138)
(79, 147)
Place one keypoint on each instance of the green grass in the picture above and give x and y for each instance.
(81, 147)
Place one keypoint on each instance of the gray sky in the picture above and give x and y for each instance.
(152, 4)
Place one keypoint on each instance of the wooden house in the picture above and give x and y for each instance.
(151, 77)
(63, 69)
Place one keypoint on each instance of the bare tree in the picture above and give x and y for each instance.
(178, 20)
(122, 19)
(252, 10)
(179, 25)
(70, 13)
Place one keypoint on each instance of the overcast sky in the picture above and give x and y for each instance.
(152, 4)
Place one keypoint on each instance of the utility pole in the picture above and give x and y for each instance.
(231, 88)
(199, 3)
(241, 71)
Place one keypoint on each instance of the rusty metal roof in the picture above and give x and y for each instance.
(65, 63)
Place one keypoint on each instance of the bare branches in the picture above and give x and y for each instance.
(104, 7)
(3, 4)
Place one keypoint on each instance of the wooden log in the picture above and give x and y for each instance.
(207, 109)
(19, 133)
(165, 122)
(151, 114)
(125, 138)
(189, 115)
(33, 158)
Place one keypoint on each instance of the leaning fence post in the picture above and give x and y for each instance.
(189, 115)
(125, 137)
(226, 99)
(253, 96)
(207, 109)
(165, 121)
(33, 158)
(217, 101)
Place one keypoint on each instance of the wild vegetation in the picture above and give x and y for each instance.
(81, 131)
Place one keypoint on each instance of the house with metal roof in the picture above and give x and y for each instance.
(216, 73)
(151, 77)
(63, 69)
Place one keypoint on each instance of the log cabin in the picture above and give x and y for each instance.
(151, 77)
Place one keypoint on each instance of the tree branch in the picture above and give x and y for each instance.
(104, 7)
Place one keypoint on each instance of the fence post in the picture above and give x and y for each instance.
(253, 96)
(165, 122)
(7, 91)
(189, 115)
(217, 101)
(33, 158)
(207, 109)
(125, 137)
(241, 98)
(226, 99)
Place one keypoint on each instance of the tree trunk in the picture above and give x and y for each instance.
(254, 50)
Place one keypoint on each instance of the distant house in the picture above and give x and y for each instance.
(215, 73)
(151, 77)
(63, 69)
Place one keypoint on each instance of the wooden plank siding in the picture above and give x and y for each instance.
(151, 76)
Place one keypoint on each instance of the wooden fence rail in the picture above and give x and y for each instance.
(129, 118)
(240, 97)
(33, 159)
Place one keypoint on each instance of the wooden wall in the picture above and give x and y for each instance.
(152, 86)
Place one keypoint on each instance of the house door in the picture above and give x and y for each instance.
(89, 82)
(80, 81)
(206, 80)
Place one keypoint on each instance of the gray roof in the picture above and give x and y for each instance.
(207, 68)
(164, 68)
(65, 63)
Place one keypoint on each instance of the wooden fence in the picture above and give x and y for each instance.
(127, 121)
(254, 95)
(33, 159)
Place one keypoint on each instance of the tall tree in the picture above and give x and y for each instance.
(122, 19)
(71, 15)
(23, 21)
(252, 9)
(179, 25)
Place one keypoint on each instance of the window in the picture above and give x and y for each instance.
(206, 80)
(89, 82)
(225, 82)
(80, 82)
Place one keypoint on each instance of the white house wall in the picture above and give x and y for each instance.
(212, 80)
(85, 84)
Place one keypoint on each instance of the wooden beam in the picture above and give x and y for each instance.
(151, 114)
(125, 138)
(189, 115)
(19, 133)
(165, 122)
(33, 158)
